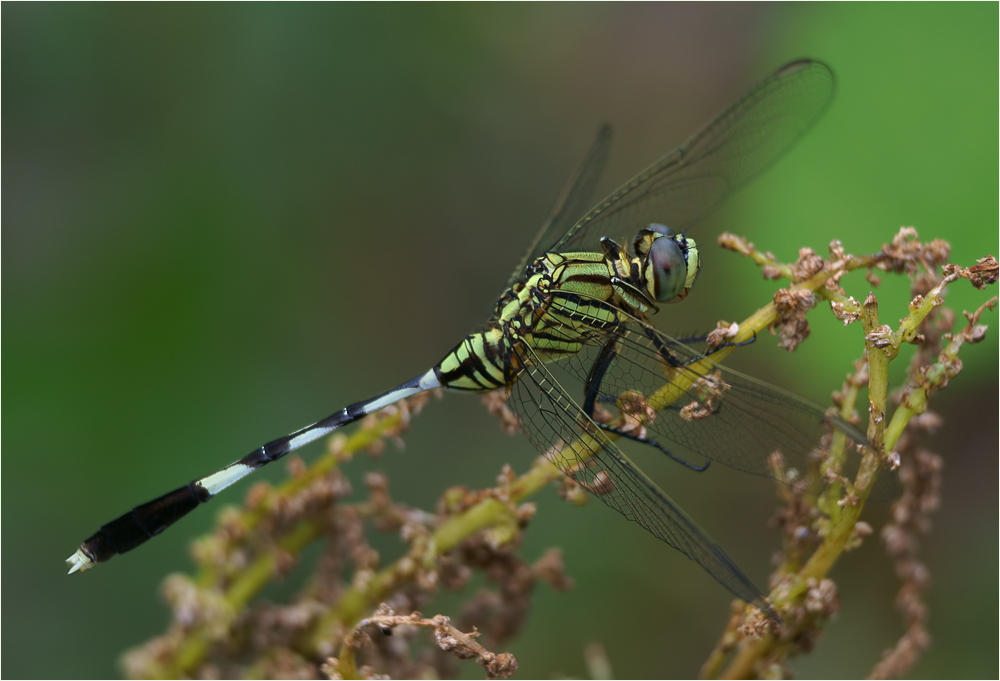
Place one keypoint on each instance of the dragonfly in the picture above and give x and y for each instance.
(570, 342)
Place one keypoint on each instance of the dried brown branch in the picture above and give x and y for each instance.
(449, 639)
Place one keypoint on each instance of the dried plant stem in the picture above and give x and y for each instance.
(462, 645)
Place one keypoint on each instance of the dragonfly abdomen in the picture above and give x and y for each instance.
(477, 364)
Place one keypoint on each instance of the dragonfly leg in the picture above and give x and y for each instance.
(673, 361)
(693, 339)
(597, 372)
(653, 443)
(670, 357)
(727, 344)
(593, 395)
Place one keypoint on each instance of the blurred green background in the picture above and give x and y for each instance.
(222, 222)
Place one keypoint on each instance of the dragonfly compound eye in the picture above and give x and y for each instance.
(674, 260)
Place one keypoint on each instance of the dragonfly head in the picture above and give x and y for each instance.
(670, 262)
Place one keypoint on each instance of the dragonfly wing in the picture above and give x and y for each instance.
(572, 202)
(558, 427)
(689, 404)
(731, 150)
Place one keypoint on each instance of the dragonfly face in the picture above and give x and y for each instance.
(569, 340)
(670, 262)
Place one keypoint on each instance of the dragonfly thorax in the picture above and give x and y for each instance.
(662, 269)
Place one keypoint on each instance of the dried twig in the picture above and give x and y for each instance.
(448, 638)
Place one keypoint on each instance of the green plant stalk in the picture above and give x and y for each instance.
(842, 528)
(348, 667)
(195, 644)
(881, 346)
(882, 441)
(935, 376)
(838, 450)
(840, 531)
(756, 323)
(356, 601)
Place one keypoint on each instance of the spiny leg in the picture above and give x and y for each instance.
(672, 360)
(592, 394)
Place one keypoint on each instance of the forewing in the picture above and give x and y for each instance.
(735, 147)
(572, 202)
(556, 425)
